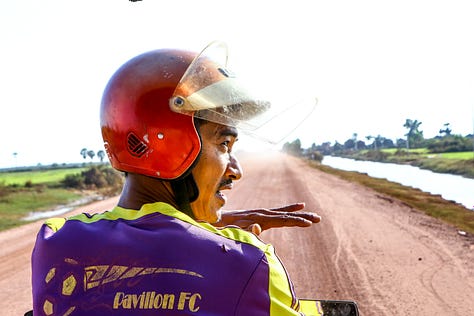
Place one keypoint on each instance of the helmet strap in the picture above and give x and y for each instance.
(185, 191)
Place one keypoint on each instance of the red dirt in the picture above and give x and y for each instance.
(390, 258)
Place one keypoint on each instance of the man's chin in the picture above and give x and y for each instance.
(210, 214)
(221, 199)
(214, 215)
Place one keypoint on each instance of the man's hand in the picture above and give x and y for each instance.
(259, 220)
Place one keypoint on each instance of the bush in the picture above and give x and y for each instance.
(316, 155)
(373, 155)
(453, 143)
(113, 177)
(73, 181)
(95, 178)
(4, 190)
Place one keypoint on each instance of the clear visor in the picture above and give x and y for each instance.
(209, 91)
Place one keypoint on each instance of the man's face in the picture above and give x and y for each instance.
(215, 170)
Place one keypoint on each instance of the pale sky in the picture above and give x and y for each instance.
(371, 64)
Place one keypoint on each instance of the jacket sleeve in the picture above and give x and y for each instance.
(311, 308)
(269, 291)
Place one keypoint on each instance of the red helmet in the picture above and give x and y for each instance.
(142, 121)
(141, 134)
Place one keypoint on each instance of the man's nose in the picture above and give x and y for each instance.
(234, 170)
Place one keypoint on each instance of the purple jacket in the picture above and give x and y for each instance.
(155, 261)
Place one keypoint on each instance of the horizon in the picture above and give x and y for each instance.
(252, 146)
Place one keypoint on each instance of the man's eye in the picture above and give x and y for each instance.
(225, 144)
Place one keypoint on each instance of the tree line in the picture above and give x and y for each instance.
(445, 141)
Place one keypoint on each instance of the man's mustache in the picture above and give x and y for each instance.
(225, 182)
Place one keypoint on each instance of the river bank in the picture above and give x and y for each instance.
(434, 205)
(462, 164)
(451, 187)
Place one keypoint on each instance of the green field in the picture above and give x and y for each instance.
(461, 156)
(423, 152)
(412, 151)
(19, 204)
(37, 177)
(25, 192)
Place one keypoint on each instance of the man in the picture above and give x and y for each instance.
(169, 120)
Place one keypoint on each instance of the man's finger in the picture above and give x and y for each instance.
(284, 216)
(255, 229)
(290, 208)
(280, 220)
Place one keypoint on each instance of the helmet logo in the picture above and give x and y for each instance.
(136, 146)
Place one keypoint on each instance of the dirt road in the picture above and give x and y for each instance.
(389, 258)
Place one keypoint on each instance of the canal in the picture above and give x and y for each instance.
(450, 187)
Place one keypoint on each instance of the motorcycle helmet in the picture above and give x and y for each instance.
(150, 104)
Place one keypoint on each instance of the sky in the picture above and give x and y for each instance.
(370, 64)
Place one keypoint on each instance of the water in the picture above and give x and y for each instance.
(33, 216)
(450, 187)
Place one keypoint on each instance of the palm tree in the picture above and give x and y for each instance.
(15, 155)
(84, 153)
(375, 140)
(354, 137)
(91, 154)
(446, 131)
(101, 155)
(414, 133)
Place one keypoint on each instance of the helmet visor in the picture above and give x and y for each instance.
(209, 91)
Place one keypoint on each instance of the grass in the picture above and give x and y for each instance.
(37, 177)
(459, 163)
(458, 156)
(432, 205)
(19, 203)
(423, 152)
(22, 193)
(418, 151)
